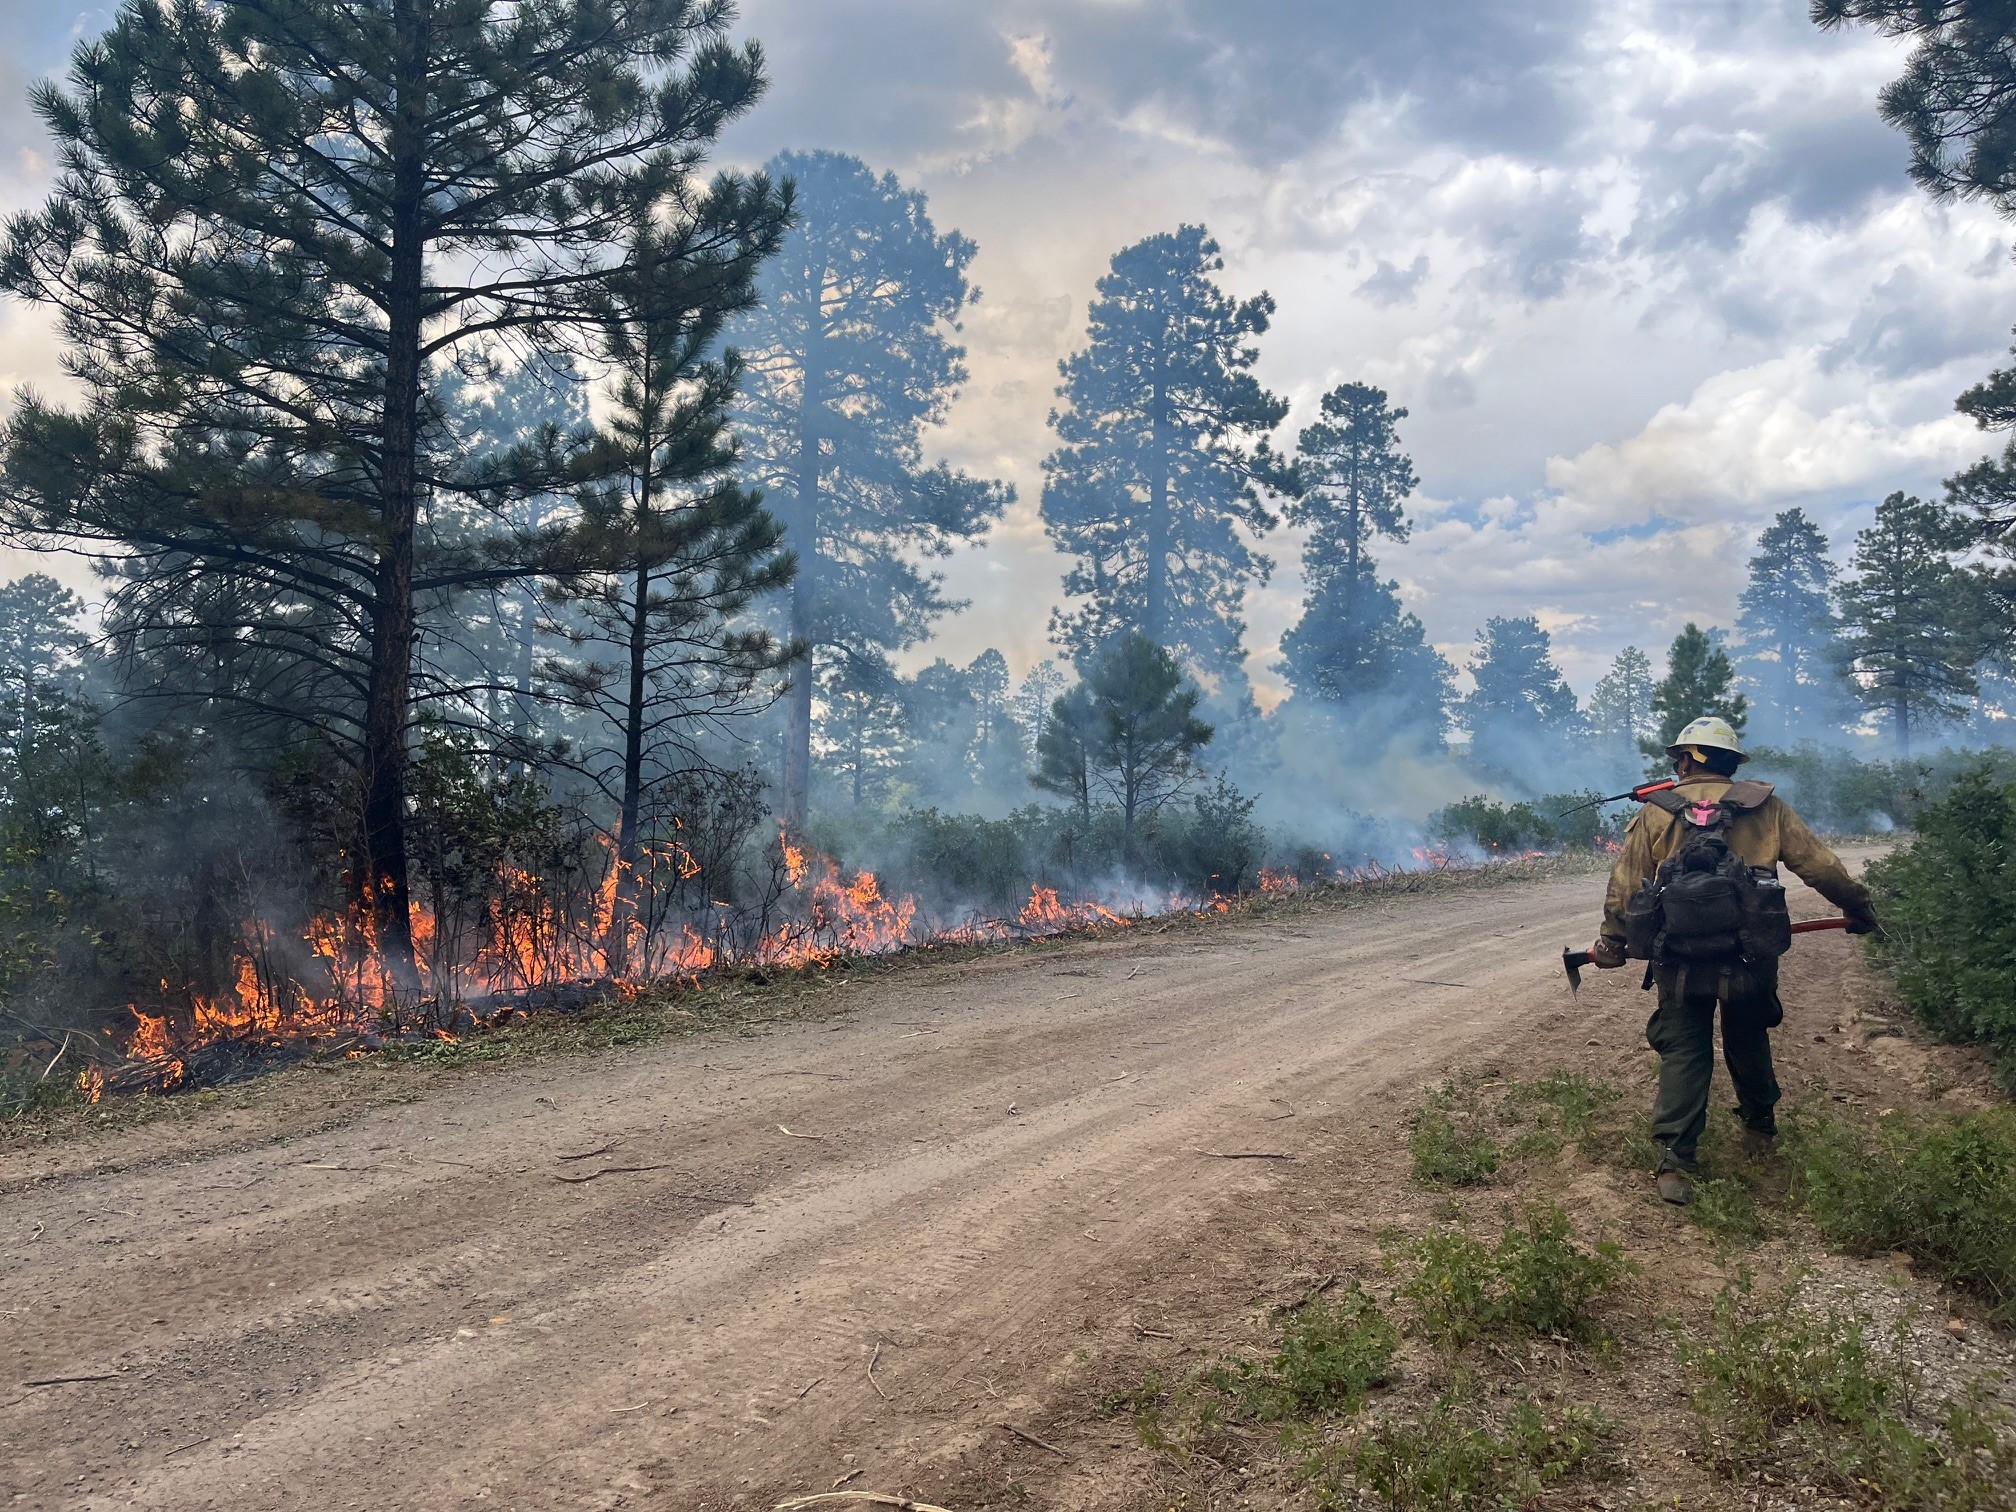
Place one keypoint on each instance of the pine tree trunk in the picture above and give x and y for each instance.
(521, 702)
(629, 842)
(1155, 618)
(379, 877)
(803, 533)
(1354, 516)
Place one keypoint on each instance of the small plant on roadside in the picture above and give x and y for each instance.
(1535, 1282)
(1939, 1186)
(1560, 1108)
(1451, 1145)
(1330, 1357)
(1726, 1208)
(1784, 1383)
(1455, 1456)
(1950, 934)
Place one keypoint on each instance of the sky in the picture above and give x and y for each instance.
(1643, 274)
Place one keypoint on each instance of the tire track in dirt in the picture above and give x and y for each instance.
(410, 1311)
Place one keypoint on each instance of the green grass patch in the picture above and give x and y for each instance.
(1559, 1109)
(1939, 1186)
(1329, 1355)
(1457, 1456)
(1451, 1139)
(1535, 1282)
(1783, 1384)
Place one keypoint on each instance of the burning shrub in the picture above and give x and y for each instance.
(1211, 847)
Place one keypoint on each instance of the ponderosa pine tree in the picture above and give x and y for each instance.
(273, 220)
(1354, 641)
(1700, 681)
(1377, 664)
(1000, 765)
(1067, 744)
(541, 405)
(1521, 708)
(1163, 457)
(1352, 484)
(1620, 706)
(1911, 617)
(1956, 99)
(1956, 104)
(849, 359)
(1789, 635)
(41, 656)
(677, 548)
(861, 734)
(1130, 731)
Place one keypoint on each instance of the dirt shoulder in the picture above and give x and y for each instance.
(421, 1303)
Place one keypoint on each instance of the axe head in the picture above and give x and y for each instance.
(1572, 962)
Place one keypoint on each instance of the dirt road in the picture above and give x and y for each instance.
(427, 1308)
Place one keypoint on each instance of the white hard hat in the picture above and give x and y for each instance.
(1711, 732)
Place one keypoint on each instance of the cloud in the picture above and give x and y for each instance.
(1642, 273)
(1389, 286)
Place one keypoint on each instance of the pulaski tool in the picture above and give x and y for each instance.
(1572, 961)
(1639, 793)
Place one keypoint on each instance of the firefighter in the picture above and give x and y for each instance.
(1713, 832)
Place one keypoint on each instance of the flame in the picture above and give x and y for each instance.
(332, 989)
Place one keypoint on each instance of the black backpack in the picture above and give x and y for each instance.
(1705, 903)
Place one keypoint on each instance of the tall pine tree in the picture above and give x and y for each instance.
(1620, 706)
(850, 358)
(1700, 681)
(1521, 710)
(274, 219)
(1789, 635)
(679, 548)
(1913, 633)
(1354, 641)
(1955, 102)
(1162, 458)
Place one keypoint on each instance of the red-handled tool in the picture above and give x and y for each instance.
(1640, 793)
(1572, 961)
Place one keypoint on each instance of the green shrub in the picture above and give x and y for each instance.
(1210, 846)
(1330, 1357)
(1784, 1381)
(1531, 824)
(1453, 1456)
(1834, 789)
(1449, 1140)
(1945, 903)
(1939, 1186)
(1536, 1281)
(1726, 1207)
(1560, 1107)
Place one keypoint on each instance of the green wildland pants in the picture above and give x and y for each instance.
(1682, 1030)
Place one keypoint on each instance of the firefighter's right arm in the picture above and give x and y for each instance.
(1634, 865)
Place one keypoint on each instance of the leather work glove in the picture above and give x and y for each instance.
(1862, 921)
(1607, 954)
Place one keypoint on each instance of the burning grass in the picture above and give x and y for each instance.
(537, 983)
